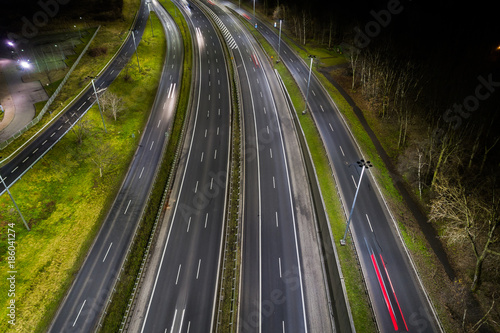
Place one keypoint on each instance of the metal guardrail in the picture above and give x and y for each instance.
(160, 215)
(338, 299)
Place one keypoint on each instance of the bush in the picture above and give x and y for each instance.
(98, 51)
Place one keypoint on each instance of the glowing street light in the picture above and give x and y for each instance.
(24, 64)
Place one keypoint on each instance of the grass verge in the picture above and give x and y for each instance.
(124, 288)
(358, 299)
(64, 199)
(109, 37)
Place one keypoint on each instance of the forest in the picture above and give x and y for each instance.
(429, 72)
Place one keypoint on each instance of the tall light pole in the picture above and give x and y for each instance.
(364, 165)
(136, 54)
(11, 198)
(254, 11)
(309, 81)
(150, 20)
(279, 42)
(98, 104)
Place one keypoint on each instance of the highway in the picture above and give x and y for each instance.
(395, 290)
(84, 303)
(273, 295)
(181, 292)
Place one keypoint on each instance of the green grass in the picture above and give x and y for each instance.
(65, 200)
(109, 36)
(51, 88)
(124, 287)
(358, 299)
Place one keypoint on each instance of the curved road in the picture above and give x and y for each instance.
(181, 297)
(81, 309)
(397, 295)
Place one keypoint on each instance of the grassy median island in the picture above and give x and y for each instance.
(64, 198)
(358, 299)
(124, 288)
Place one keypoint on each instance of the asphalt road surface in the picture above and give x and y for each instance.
(183, 292)
(397, 294)
(82, 306)
(272, 290)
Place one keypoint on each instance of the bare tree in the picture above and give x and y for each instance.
(81, 128)
(112, 104)
(487, 148)
(469, 216)
(331, 33)
(305, 22)
(420, 164)
(353, 61)
(103, 157)
(475, 147)
(448, 146)
(278, 12)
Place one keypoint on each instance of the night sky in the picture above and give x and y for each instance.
(454, 36)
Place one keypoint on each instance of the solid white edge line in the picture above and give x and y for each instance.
(173, 216)
(259, 190)
(291, 209)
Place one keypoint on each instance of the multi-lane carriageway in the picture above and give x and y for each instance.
(396, 292)
(179, 291)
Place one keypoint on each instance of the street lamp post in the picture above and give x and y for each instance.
(364, 165)
(99, 105)
(12, 198)
(254, 11)
(279, 42)
(151, 20)
(308, 81)
(136, 54)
